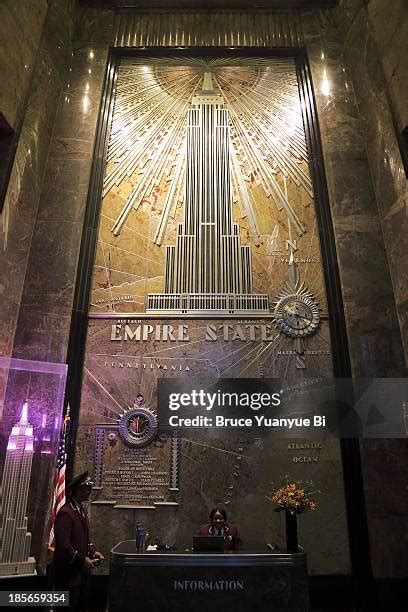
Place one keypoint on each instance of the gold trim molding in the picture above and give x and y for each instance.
(222, 29)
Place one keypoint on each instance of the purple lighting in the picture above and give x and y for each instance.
(16, 540)
(24, 414)
(28, 433)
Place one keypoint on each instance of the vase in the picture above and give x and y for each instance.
(291, 532)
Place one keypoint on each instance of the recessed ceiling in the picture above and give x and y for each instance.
(213, 4)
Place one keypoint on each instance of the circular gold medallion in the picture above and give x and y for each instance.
(297, 316)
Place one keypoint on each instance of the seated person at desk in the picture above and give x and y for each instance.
(218, 526)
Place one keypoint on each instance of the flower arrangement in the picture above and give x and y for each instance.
(294, 497)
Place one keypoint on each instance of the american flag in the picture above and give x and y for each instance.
(59, 490)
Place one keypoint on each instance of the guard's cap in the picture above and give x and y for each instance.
(79, 480)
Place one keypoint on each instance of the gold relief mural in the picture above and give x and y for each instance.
(208, 265)
(160, 177)
(208, 207)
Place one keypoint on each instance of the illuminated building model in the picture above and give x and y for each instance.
(15, 540)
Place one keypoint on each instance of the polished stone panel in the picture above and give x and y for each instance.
(373, 42)
(368, 204)
(21, 25)
(95, 25)
(367, 289)
(52, 267)
(390, 30)
(387, 505)
(21, 204)
(44, 333)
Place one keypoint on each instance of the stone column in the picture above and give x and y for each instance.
(41, 93)
(371, 317)
(46, 306)
(383, 460)
(354, 121)
(380, 120)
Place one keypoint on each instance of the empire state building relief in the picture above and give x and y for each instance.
(208, 269)
(208, 203)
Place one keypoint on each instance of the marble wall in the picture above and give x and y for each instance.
(390, 30)
(371, 317)
(21, 26)
(39, 225)
(44, 319)
(373, 37)
(18, 217)
(368, 203)
(46, 304)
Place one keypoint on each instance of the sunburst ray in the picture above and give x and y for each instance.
(147, 140)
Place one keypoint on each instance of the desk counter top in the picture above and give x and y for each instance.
(125, 553)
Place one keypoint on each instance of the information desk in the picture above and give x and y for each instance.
(188, 581)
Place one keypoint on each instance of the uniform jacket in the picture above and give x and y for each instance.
(232, 540)
(71, 530)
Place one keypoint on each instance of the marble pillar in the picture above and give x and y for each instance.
(21, 204)
(366, 190)
(371, 317)
(390, 30)
(46, 304)
(381, 106)
(372, 38)
(21, 26)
